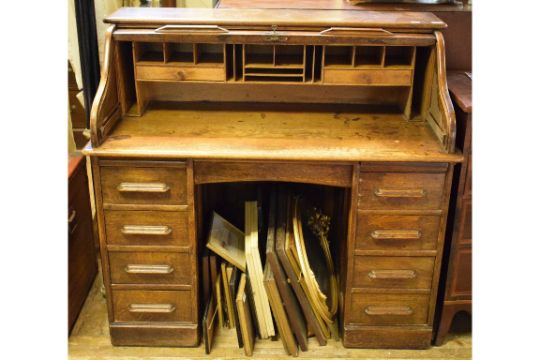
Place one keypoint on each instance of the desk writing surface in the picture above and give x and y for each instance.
(214, 131)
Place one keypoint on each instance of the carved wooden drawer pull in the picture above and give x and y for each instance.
(149, 269)
(388, 310)
(152, 308)
(392, 274)
(143, 187)
(146, 230)
(400, 193)
(396, 234)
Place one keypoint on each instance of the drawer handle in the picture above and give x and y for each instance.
(356, 31)
(143, 187)
(392, 274)
(191, 29)
(71, 217)
(72, 224)
(148, 269)
(161, 230)
(396, 234)
(388, 310)
(400, 193)
(152, 308)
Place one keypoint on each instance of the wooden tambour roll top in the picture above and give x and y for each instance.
(389, 60)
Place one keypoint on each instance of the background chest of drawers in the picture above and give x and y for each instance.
(82, 260)
(148, 250)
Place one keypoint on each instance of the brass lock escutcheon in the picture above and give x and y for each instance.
(274, 35)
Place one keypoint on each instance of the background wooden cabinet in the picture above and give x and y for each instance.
(82, 263)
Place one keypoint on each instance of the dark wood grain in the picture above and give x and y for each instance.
(307, 310)
(459, 85)
(290, 302)
(82, 260)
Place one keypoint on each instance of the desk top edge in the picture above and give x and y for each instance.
(280, 17)
(453, 158)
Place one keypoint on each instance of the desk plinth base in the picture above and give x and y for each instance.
(449, 310)
(386, 337)
(124, 334)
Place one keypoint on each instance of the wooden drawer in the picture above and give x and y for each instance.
(136, 227)
(180, 73)
(468, 178)
(400, 191)
(389, 309)
(396, 272)
(466, 234)
(82, 264)
(150, 268)
(368, 77)
(145, 182)
(137, 305)
(462, 273)
(397, 232)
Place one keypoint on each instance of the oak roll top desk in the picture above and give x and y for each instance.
(352, 100)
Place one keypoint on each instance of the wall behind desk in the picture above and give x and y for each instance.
(458, 38)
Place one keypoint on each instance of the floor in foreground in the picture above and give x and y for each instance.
(90, 340)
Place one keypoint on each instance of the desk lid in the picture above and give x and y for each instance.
(279, 17)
